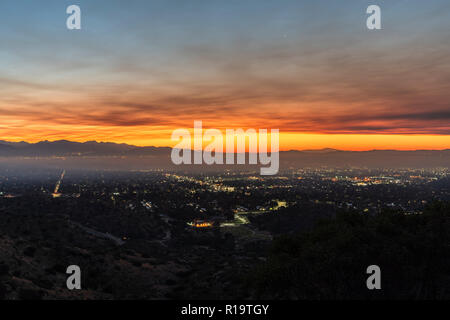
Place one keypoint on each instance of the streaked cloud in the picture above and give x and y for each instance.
(298, 66)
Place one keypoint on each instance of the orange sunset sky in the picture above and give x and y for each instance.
(310, 69)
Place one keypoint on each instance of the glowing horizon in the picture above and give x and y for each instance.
(289, 141)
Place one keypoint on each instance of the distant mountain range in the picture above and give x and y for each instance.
(133, 157)
(69, 148)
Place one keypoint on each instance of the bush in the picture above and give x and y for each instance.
(30, 294)
(4, 269)
(29, 252)
(330, 261)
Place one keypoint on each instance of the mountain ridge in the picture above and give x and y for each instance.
(127, 147)
(100, 155)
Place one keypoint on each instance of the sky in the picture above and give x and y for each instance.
(139, 69)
